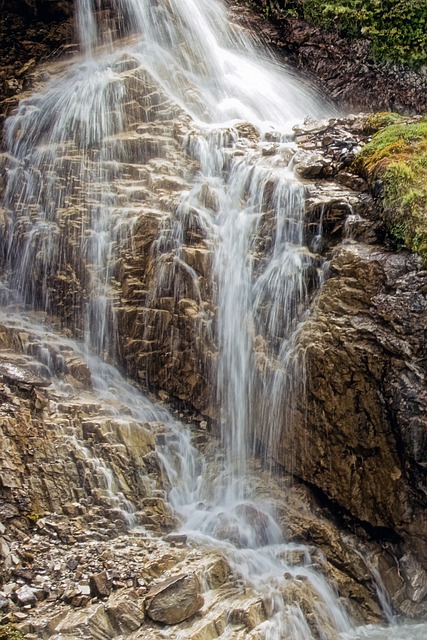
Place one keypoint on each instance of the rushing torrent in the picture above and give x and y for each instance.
(68, 150)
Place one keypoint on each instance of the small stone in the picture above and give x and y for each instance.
(25, 596)
(80, 601)
(20, 615)
(125, 611)
(9, 588)
(72, 564)
(176, 538)
(4, 603)
(84, 589)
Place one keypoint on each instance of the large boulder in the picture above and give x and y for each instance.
(175, 599)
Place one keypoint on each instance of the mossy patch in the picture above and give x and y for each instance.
(397, 156)
(376, 121)
(8, 632)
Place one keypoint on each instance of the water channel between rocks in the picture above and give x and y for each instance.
(171, 115)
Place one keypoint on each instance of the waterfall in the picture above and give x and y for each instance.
(73, 147)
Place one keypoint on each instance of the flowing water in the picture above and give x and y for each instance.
(66, 150)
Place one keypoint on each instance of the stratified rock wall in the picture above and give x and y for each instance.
(360, 435)
(362, 442)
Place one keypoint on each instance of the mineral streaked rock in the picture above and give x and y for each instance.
(175, 599)
(125, 611)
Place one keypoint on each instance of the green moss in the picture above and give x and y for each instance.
(8, 632)
(397, 155)
(376, 121)
(34, 518)
(397, 29)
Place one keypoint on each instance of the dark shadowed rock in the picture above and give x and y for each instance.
(100, 585)
(346, 70)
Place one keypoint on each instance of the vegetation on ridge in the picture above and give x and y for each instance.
(396, 28)
(397, 157)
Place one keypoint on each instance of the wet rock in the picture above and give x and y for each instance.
(312, 165)
(90, 624)
(176, 538)
(250, 615)
(258, 522)
(17, 375)
(175, 599)
(217, 573)
(346, 70)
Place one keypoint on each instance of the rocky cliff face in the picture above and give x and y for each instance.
(77, 470)
(364, 348)
(358, 432)
(30, 32)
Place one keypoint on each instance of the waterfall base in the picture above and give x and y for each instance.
(87, 532)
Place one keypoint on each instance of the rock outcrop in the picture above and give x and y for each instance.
(347, 71)
(30, 32)
(75, 476)
(361, 442)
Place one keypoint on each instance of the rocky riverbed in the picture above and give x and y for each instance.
(87, 542)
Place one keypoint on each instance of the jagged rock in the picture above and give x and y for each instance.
(100, 585)
(312, 165)
(4, 603)
(125, 611)
(250, 615)
(175, 599)
(345, 69)
(91, 624)
(25, 596)
(217, 573)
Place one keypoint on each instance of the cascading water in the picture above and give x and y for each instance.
(67, 154)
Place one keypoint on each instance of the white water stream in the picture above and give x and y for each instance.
(61, 138)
